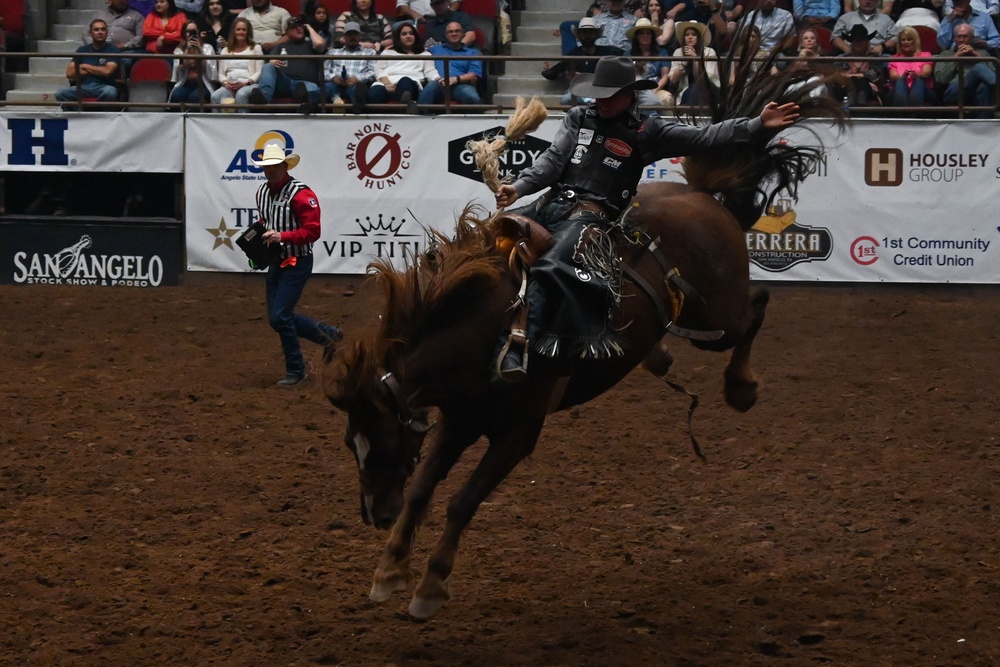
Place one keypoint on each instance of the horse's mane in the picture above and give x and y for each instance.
(435, 287)
(750, 176)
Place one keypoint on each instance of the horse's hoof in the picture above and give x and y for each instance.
(384, 587)
(658, 360)
(422, 608)
(742, 396)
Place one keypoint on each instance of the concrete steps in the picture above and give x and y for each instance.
(536, 36)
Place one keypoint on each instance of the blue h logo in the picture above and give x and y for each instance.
(52, 141)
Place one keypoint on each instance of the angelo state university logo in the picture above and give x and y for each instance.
(242, 168)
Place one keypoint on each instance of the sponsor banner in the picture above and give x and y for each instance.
(77, 253)
(906, 201)
(382, 182)
(92, 141)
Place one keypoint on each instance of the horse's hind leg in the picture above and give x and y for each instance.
(393, 571)
(740, 384)
(501, 457)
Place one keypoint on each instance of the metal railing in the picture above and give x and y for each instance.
(491, 64)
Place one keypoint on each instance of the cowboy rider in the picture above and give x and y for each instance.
(593, 168)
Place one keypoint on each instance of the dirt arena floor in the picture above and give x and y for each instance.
(161, 502)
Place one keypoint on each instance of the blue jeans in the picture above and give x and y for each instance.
(462, 93)
(333, 91)
(379, 94)
(275, 83)
(904, 95)
(284, 287)
(980, 84)
(187, 92)
(566, 36)
(103, 93)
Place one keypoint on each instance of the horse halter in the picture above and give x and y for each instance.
(403, 411)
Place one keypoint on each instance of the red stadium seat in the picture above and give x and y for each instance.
(928, 39)
(480, 7)
(148, 80)
(826, 47)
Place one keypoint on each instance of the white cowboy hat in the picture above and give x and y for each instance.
(275, 154)
(643, 24)
(587, 23)
(681, 26)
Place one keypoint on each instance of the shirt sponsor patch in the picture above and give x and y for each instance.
(611, 162)
(618, 147)
(585, 137)
(578, 154)
(312, 202)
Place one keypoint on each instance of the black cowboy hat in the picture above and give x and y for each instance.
(612, 74)
(858, 32)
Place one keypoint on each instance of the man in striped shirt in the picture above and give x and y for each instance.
(289, 211)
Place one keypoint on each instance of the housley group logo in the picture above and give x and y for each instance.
(889, 167)
(377, 156)
(242, 168)
(72, 266)
(520, 155)
(777, 241)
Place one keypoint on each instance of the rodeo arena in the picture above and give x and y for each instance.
(499, 332)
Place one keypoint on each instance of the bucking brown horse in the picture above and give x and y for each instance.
(442, 319)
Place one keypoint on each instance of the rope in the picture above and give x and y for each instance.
(527, 117)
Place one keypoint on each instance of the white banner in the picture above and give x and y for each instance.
(894, 201)
(92, 141)
(907, 201)
(380, 182)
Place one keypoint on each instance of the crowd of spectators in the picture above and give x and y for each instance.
(880, 42)
(891, 50)
(260, 44)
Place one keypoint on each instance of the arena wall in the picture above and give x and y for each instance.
(892, 201)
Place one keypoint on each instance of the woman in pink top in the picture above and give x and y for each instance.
(163, 27)
(912, 81)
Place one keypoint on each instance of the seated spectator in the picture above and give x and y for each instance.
(653, 10)
(195, 79)
(588, 32)
(402, 78)
(979, 80)
(614, 23)
(812, 13)
(461, 77)
(238, 77)
(319, 19)
(270, 23)
(567, 29)
(864, 81)
(414, 11)
(912, 82)
(144, 7)
(214, 23)
(985, 35)
(124, 26)
(297, 78)
(163, 26)
(376, 30)
(885, 6)
(348, 80)
(190, 7)
(643, 35)
(875, 23)
(925, 13)
(97, 66)
(438, 24)
(686, 76)
(991, 7)
(776, 25)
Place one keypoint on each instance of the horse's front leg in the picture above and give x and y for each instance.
(740, 385)
(505, 451)
(393, 572)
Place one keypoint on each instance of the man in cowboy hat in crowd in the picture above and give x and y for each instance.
(290, 212)
(884, 28)
(587, 31)
(592, 168)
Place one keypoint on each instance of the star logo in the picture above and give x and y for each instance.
(222, 234)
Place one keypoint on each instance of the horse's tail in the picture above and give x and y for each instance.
(749, 176)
